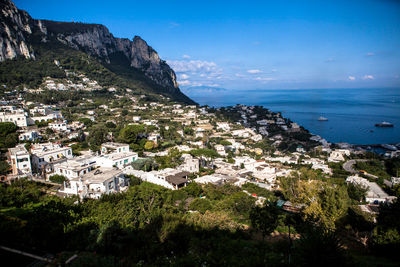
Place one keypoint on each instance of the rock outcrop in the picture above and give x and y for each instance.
(16, 27)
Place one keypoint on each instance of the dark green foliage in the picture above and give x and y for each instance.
(201, 205)
(193, 189)
(31, 73)
(225, 143)
(386, 235)
(264, 219)
(393, 167)
(356, 192)
(59, 179)
(88, 122)
(359, 220)
(8, 135)
(261, 192)
(209, 153)
(110, 125)
(41, 124)
(319, 248)
(375, 167)
(20, 192)
(4, 167)
(132, 133)
(145, 164)
(188, 131)
(97, 136)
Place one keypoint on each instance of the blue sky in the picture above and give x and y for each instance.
(254, 44)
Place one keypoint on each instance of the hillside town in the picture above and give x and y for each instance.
(164, 143)
(263, 134)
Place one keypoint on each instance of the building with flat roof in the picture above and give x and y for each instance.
(375, 194)
(116, 159)
(111, 147)
(29, 135)
(169, 178)
(96, 183)
(75, 167)
(44, 156)
(20, 161)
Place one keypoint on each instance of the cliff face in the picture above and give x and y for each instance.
(16, 27)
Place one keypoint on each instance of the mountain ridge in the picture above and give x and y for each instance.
(20, 34)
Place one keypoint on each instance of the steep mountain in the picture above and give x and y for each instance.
(135, 60)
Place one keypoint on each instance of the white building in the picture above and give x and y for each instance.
(169, 178)
(75, 167)
(111, 147)
(224, 126)
(190, 164)
(28, 136)
(16, 116)
(44, 156)
(96, 183)
(220, 149)
(116, 159)
(375, 194)
(19, 160)
(154, 137)
(217, 179)
(52, 115)
(59, 126)
(136, 118)
(287, 159)
(337, 156)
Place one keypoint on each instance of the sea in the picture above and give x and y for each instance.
(351, 113)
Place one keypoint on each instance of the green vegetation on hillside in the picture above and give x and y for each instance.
(30, 73)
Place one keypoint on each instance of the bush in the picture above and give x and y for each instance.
(59, 179)
(201, 205)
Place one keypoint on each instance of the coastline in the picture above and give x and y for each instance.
(264, 114)
(352, 118)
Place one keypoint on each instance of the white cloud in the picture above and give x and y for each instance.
(370, 54)
(265, 79)
(368, 77)
(239, 75)
(214, 85)
(184, 83)
(352, 78)
(274, 70)
(254, 71)
(192, 65)
(330, 60)
(186, 56)
(184, 76)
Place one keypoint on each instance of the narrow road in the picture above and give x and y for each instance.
(348, 166)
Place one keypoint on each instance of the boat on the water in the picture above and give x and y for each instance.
(322, 119)
(389, 147)
(384, 124)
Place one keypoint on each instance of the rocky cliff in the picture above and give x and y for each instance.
(17, 29)
(15, 25)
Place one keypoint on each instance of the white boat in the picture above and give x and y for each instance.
(322, 118)
(384, 124)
